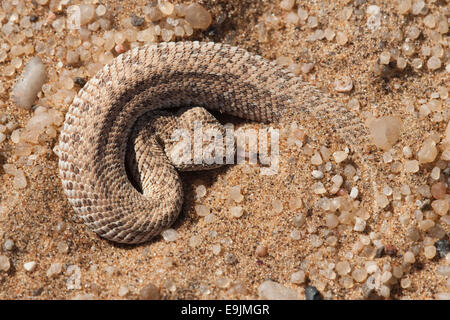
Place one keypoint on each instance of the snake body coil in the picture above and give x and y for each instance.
(93, 142)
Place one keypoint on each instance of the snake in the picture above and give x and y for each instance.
(111, 110)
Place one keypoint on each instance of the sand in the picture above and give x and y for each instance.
(32, 216)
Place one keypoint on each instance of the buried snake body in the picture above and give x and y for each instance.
(112, 105)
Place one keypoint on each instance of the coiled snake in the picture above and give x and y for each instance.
(100, 121)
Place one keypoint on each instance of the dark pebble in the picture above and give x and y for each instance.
(136, 21)
(79, 81)
(442, 247)
(390, 250)
(379, 253)
(33, 18)
(312, 293)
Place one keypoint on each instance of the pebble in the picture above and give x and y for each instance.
(202, 210)
(270, 290)
(429, 252)
(136, 21)
(261, 251)
(428, 152)
(408, 257)
(277, 206)
(311, 293)
(299, 220)
(29, 266)
(236, 212)
(343, 268)
(8, 245)
(287, 4)
(441, 207)
(235, 194)
(385, 131)
(197, 16)
(216, 249)
(73, 282)
(230, 259)
(4, 263)
(298, 277)
(26, 89)
(123, 291)
(434, 63)
(411, 166)
(344, 84)
(150, 292)
(359, 274)
(170, 235)
(442, 247)
(54, 270)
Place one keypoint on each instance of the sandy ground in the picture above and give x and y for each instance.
(30, 216)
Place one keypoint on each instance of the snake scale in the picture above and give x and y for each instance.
(93, 141)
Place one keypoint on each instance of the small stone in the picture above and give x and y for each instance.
(29, 266)
(26, 89)
(360, 225)
(411, 166)
(80, 81)
(298, 277)
(359, 274)
(404, 6)
(73, 282)
(295, 235)
(317, 174)
(343, 268)
(261, 251)
(381, 200)
(341, 39)
(8, 245)
(277, 206)
(385, 131)
(429, 252)
(307, 67)
(295, 203)
(136, 21)
(435, 175)
(236, 212)
(434, 63)
(235, 194)
(197, 16)
(170, 235)
(428, 152)
(340, 156)
(287, 4)
(311, 293)
(150, 292)
(299, 220)
(123, 291)
(442, 247)
(216, 249)
(230, 259)
(332, 221)
(318, 188)
(62, 247)
(441, 207)
(202, 210)
(345, 84)
(385, 57)
(408, 257)
(4, 263)
(54, 270)
(270, 290)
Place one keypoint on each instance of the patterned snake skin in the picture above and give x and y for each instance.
(100, 121)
